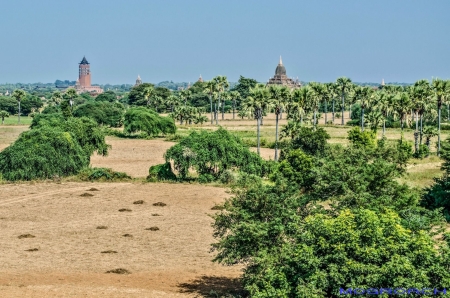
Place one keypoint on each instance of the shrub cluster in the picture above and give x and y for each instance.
(141, 119)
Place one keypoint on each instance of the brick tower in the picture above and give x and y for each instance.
(84, 73)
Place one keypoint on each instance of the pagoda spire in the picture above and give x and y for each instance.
(281, 61)
(382, 82)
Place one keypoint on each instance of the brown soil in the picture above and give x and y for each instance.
(102, 227)
(93, 189)
(139, 202)
(26, 236)
(133, 157)
(153, 229)
(160, 204)
(86, 195)
(173, 262)
(124, 210)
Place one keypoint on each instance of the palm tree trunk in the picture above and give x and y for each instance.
(281, 114)
(217, 115)
(257, 135)
(326, 111)
(276, 138)
(262, 119)
(210, 102)
(332, 114)
(439, 130)
(421, 129)
(18, 115)
(301, 118)
(234, 107)
(314, 123)
(448, 112)
(362, 119)
(343, 102)
(223, 109)
(384, 127)
(350, 112)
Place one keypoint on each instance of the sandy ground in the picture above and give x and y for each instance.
(171, 262)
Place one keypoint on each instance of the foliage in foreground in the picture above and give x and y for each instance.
(42, 153)
(53, 147)
(161, 172)
(334, 218)
(211, 153)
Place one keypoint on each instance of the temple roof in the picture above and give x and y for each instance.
(84, 61)
(280, 70)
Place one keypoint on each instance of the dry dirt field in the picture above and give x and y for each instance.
(68, 223)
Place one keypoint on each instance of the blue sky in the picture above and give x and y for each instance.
(400, 41)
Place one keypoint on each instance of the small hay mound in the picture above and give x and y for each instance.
(138, 202)
(156, 214)
(160, 204)
(92, 189)
(26, 236)
(102, 227)
(217, 207)
(153, 229)
(109, 252)
(124, 210)
(86, 195)
(127, 235)
(32, 249)
(119, 271)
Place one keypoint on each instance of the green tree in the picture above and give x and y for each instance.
(57, 97)
(279, 96)
(108, 96)
(344, 84)
(244, 85)
(441, 90)
(18, 95)
(71, 94)
(145, 120)
(210, 89)
(257, 101)
(3, 115)
(136, 97)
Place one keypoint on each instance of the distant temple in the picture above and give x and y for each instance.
(83, 83)
(280, 78)
(138, 81)
(200, 79)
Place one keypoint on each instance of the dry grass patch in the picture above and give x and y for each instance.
(160, 204)
(119, 271)
(127, 235)
(124, 210)
(109, 252)
(102, 227)
(26, 236)
(139, 202)
(32, 249)
(153, 229)
(156, 214)
(86, 195)
(93, 189)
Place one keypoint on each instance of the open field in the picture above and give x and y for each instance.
(12, 120)
(73, 226)
(68, 222)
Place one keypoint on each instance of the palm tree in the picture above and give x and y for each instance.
(374, 119)
(429, 132)
(57, 97)
(441, 90)
(318, 92)
(290, 130)
(222, 86)
(71, 94)
(185, 95)
(424, 92)
(278, 96)
(402, 107)
(235, 95)
(363, 95)
(384, 104)
(3, 115)
(333, 90)
(210, 88)
(18, 94)
(172, 101)
(148, 92)
(257, 99)
(299, 104)
(344, 84)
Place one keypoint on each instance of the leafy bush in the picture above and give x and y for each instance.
(311, 141)
(101, 174)
(227, 177)
(423, 152)
(212, 153)
(206, 178)
(102, 112)
(360, 138)
(355, 122)
(43, 153)
(297, 167)
(161, 172)
(144, 120)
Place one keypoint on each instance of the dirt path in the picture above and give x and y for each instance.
(173, 261)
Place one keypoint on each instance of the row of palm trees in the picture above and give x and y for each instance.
(412, 103)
